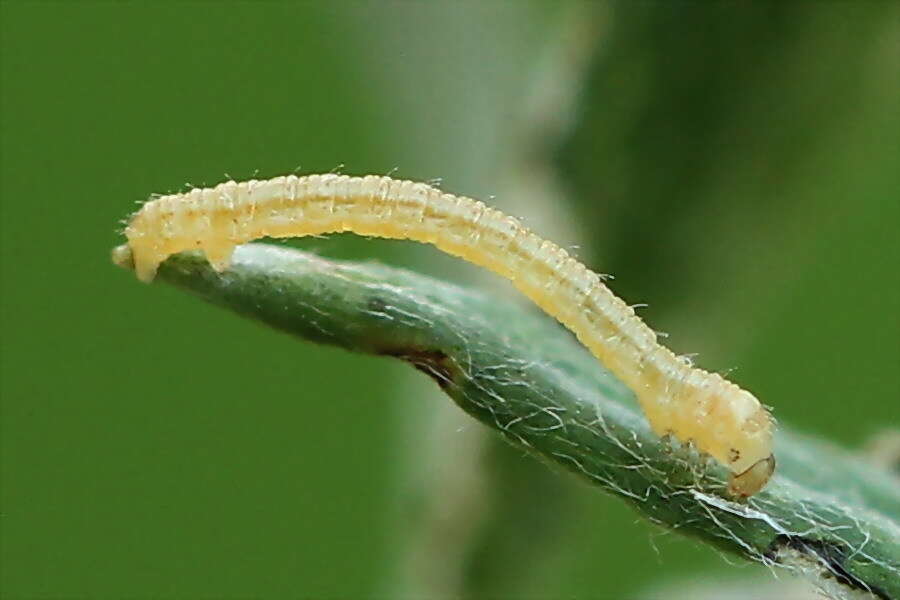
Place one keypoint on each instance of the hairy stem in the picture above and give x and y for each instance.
(826, 514)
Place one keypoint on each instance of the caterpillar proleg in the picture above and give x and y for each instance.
(720, 418)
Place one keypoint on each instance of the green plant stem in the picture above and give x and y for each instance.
(826, 514)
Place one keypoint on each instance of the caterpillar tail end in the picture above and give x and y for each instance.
(744, 485)
(122, 257)
(143, 266)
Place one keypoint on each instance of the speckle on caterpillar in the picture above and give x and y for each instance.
(694, 405)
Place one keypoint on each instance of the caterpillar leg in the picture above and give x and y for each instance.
(143, 263)
(219, 255)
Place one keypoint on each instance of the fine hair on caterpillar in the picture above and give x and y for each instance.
(691, 404)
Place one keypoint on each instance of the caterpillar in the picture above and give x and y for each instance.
(696, 406)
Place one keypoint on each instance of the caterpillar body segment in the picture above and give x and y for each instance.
(694, 405)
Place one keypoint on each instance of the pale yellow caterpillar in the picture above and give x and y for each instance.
(694, 405)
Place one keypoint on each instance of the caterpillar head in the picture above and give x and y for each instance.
(743, 485)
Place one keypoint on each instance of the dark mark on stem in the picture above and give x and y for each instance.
(829, 555)
(433, 363)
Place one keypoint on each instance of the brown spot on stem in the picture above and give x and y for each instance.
(829, 555)
(434, 363)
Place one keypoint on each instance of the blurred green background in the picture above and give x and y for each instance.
(737, 166)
